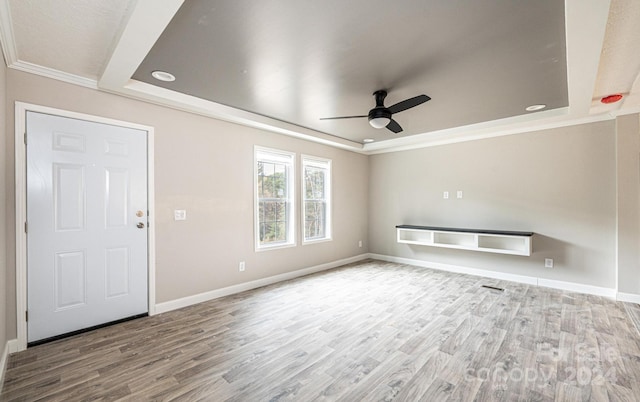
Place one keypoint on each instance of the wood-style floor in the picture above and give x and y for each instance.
(364, 332)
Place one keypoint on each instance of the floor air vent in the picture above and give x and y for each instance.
(493, 288)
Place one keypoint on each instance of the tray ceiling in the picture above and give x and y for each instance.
(300, 61)
(282, 65)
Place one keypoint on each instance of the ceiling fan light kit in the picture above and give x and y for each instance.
(379, 122)
(379, 119)
(381, 116)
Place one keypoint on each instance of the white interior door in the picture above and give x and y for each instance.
(87, 224)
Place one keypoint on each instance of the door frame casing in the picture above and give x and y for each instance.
(21, 109)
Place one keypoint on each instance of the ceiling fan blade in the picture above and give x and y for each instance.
(408, 103)
(394, 126)
(342, 117)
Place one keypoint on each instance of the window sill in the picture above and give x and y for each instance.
(274, 247)
(314, 241)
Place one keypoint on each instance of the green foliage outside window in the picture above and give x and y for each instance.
(272, 202)
(315, 205)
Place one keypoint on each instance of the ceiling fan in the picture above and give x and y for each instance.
(380, 116)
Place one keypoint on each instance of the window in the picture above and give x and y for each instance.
(316, 198)
(274, 198)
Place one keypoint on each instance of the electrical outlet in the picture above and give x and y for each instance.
(445, 195)
(180, 215)
(360, 243)
(459, 194)
(548, 262)
(241, 266)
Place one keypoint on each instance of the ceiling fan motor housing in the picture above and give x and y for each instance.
(378, 112)
(379, 116)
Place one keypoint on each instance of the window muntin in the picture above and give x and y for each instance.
(274, 198)
(316, 199)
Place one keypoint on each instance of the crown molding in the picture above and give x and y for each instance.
(7, 39)
(551, 119)
(176, 100)
(55, 74)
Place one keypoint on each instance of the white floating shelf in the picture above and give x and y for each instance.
(490, 241)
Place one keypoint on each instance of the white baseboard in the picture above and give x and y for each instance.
(530, 280)
(3, 364)
(628, 297)
(214, 294)
(578, 288)
(13, 346)
(458, 269)
(10, 347)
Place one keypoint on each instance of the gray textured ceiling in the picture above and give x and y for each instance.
(298, 61)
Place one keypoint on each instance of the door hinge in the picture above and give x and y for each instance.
(25, 228)
(26, 315)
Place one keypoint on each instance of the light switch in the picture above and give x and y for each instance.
(180, 215)
(445, 195)
(459, 194)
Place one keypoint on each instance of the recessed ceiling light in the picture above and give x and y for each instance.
(368, 140)
(534, 108)
(163, 76)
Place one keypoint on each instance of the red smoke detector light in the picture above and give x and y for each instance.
(611, 98)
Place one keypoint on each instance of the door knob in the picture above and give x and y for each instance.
(140, 225)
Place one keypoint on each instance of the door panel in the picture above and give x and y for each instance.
(117, 197)
(69, 197)
(86, 257)
(69, 280)
(117, 271)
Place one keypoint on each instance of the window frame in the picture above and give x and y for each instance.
(316, 161)
(278, 156)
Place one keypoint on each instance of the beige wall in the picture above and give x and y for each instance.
(206, 167)
(560, 184)
(628, 172)
(4, 308)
